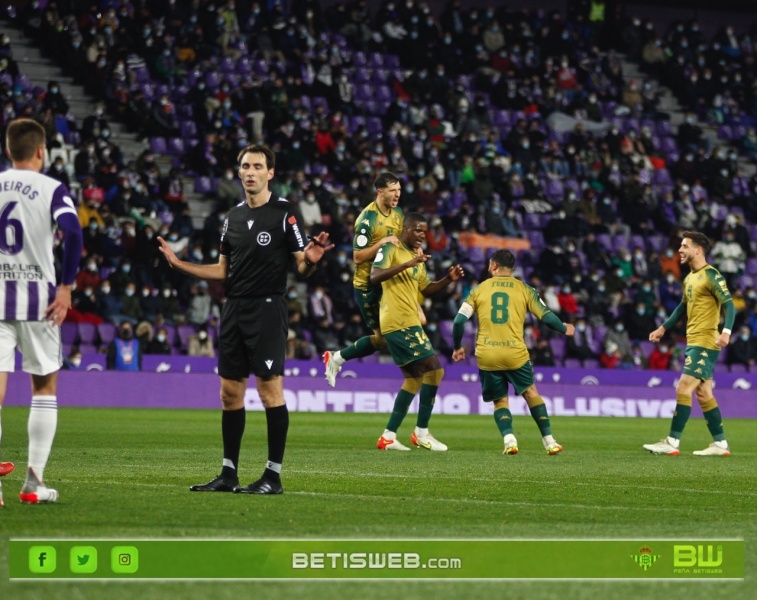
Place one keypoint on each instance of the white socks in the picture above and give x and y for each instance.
(43, 421)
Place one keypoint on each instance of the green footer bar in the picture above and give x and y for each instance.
(187, 559)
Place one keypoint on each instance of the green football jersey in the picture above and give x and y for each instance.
(704, 292)
(399, 300)
(370, 227)
(501, 304)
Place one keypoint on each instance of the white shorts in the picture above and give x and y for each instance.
(39, 343)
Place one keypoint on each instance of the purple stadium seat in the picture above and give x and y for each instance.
(227, 65)
(605, 240)
(536, 238)
(204, 185)
(69, 333)
(720, 368)
(572, 363)
(376, 59)
(738, 368)
(662, 177)
(88, 348)
(637, 241)
(392, 61)
(371, 358)
(668, 144)
(501, 118)
(751, 266)
(531, 221)
(176, 146)
(188, 129)
(554, 189)
(590, 363)
(725, 133)
(87, 333)
(213, 80)
(558, 348)
(663, 128)
(158, 145)
(477, 256)
(384, 93)
(360, 59)
(363, 92)
(374, 125)
(362, 75)
(183, 332)
(107, 332)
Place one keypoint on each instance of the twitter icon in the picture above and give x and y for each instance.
(83, 559)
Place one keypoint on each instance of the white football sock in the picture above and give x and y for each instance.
(43, 421)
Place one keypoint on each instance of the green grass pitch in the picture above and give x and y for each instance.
(125, 473)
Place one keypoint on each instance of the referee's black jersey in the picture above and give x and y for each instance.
(259, 242)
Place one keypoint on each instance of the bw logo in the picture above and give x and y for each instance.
(645, 558)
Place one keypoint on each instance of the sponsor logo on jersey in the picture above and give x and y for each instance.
(292, 220)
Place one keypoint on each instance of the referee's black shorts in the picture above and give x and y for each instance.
(253, 337)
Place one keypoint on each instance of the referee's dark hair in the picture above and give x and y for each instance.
(384, 179)
(270, 155)
(504, 258)
(699, 239)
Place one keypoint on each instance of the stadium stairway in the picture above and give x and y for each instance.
(40, 70)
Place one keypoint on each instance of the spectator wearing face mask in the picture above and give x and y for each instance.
(160, 344)
(200, 343)
(125, 351)
(130, 305)
(89, 275)
(618, 335)
(320, 307)
(579, 345)
(640, 322)
(661, 357)
(728, 256)
(200, 304)
(72, 362)
(743, 350)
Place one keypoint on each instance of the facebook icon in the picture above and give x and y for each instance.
(42, 559)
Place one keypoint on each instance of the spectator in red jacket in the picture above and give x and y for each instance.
(659, 359)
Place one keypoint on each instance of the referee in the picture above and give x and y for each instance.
(258, 238)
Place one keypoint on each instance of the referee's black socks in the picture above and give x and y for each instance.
(277, 419)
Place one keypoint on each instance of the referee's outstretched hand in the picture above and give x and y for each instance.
(167, 252)
(318, 245)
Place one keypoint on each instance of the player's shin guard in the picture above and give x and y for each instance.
(714, 419)
(431, 381)
(680, 415)
(402, 402)
(504, 420)
(42, 424)
(362, 347)
(541, 418)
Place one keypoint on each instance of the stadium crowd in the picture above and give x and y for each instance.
(501, 124)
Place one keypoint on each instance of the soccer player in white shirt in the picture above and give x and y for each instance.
(32, 308)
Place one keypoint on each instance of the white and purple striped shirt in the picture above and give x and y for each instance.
(30, 204)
